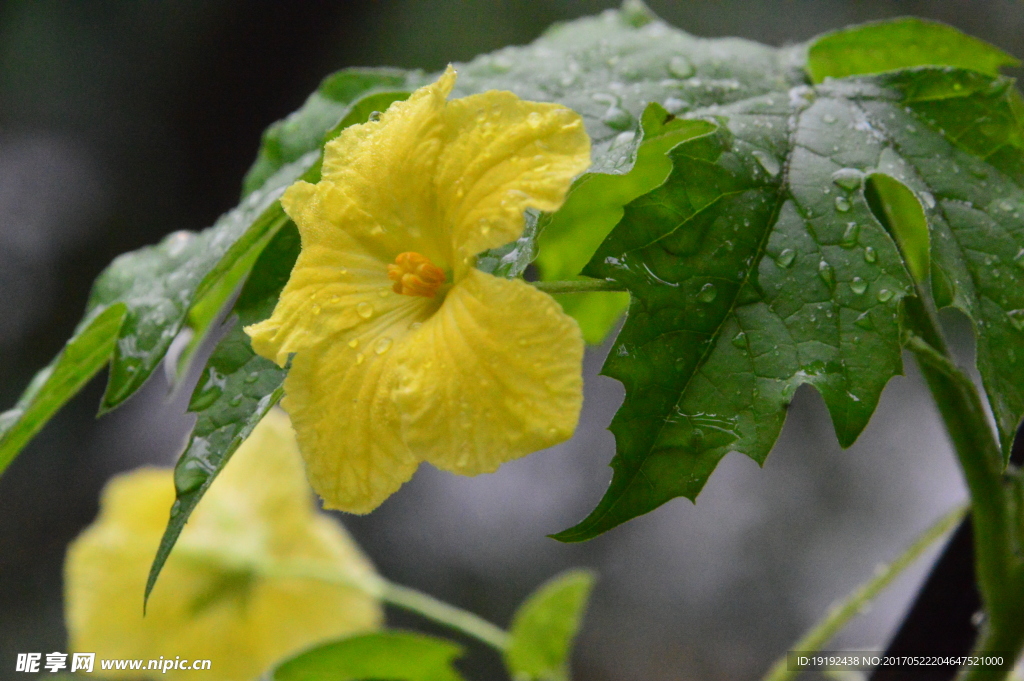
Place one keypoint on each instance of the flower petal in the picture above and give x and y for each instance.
(339, 399)
(494, 375)
(503, 155)
(335, 283)
(380, 173)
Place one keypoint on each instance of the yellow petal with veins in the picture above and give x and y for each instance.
(494, 375)
(501, 155)
(338, 395)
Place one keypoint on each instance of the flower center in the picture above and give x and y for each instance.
(415, 275)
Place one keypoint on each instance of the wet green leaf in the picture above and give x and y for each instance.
(900, 44)
(544, 627)
(593, 207)
(759, 266)
(386, 655)
(83, 356)
(236, 389)
(303, 131)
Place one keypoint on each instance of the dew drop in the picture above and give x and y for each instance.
(766, 161)
(786, 258)
(315, 308)
(843, 204)
(235, 401)
(864, 321)
(885, 295)
(354, 343)
(870, 255)
(829, 118)
(680, 67)
(359, 358)
(383, 293)
(707, 293)
(534, 120)
(740, 340)
(1017, 319)
(928, 200)
(617, 118)
(858, 286)
(1019, 259)
(827, 274)
(382, 345)
(188, 476)
(415, 325)
(850, 235)
(252, 377)
(364, 310)
(848, 178)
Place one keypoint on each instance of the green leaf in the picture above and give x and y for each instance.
(759, 266)
(83, 356)
(900, 44)
(303, 131)
(235, 391)
(594, 206)
(544, 627)
(903, 215)
(390, 655)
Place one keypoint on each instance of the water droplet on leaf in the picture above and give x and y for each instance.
(843, 204)
(885, 295)
(707, 293)
(864, 321)
(786, 258)
(680, 67)
(740, 340)
(858, 286)
(870, 255)
(827, 274)
(1017, 319)
(767, 161)
(850, 235)
(848, 178)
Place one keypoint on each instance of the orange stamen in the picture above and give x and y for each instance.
(415, 275)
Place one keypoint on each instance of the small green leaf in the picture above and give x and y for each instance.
(544, 627)
(85, 354)
(303, 131)
(900, 44)
(386, 655)
(904, 217)
(235, 391)
(594, 206)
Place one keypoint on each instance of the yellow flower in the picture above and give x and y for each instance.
(215, 599)
(403, 351)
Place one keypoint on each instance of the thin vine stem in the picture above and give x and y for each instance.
(841, 613)
(578, 286)
(399, 596)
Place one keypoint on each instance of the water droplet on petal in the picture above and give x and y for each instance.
(843, 204)
(415, 325)
(354, 343)
(315, 308)
(534, 120)
(382, 345)
(885, 295)
(364, 310)
(359, 358)
(858, 286)
(707, 293)
(786, 258)
(870, 255)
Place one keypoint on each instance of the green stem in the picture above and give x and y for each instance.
(841, 613)
(578, 286)
(400, 596)
(958, 401)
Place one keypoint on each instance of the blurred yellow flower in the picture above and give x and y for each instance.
(403, 351)
(216, 598)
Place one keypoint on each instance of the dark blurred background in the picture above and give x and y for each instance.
(123, 121)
